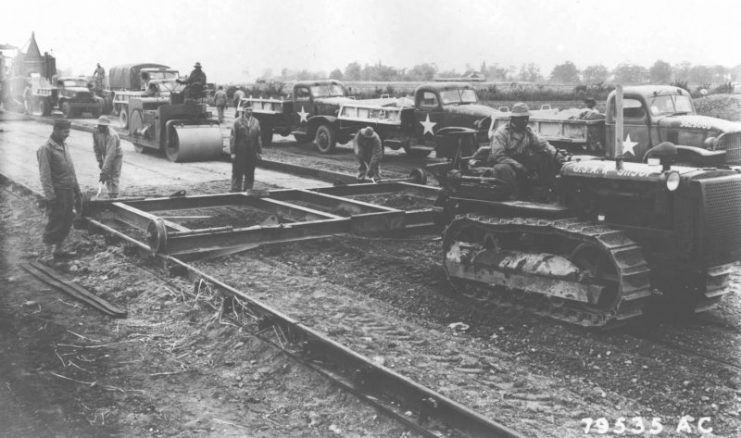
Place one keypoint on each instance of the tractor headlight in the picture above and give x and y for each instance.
(711, 143)
(672, 181)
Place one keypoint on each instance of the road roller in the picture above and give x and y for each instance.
(181, 129)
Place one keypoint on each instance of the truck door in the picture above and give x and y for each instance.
(636, 129)
(303, 107)
(428, 116)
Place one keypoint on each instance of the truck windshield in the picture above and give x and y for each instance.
(74, 83)
(328, 90)
(452, 97)
(667, 105)
(163, 75)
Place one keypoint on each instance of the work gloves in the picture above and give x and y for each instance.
(103, 177)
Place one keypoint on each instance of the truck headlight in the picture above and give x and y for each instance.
(672, 181)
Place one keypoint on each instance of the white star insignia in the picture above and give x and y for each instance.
(302, 114)
(628, 146)
(427, 126)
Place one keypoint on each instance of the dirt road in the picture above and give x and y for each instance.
(20, 139)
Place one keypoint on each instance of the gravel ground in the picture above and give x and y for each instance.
(173, 367)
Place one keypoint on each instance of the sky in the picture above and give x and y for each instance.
(237, 40)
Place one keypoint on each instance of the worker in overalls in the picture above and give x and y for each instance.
(245, 146)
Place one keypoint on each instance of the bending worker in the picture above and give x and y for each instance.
(60, 186)
(368, 151)
(245, 146)
(108, 152)
(517, 154)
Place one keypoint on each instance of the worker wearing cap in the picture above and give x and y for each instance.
(195, 83)
(245, 147)
(59, 183)
(517, 154)
(108, 153)
(368, 151)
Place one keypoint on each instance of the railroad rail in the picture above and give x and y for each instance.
(317, 213)
(419, 408)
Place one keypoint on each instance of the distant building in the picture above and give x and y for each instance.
(32, 61)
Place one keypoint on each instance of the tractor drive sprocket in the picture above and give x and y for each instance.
(603, 280)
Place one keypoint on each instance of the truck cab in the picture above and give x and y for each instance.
(441, 105)
(308, 114)
(71, 95)
(131, 80)
(654, 114)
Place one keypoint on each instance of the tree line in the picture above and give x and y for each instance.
(567, 73)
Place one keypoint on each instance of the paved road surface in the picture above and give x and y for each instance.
(19, 140)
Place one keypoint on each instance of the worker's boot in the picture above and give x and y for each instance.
(58, 252)
(47, 254)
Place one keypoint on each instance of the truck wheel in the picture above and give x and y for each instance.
(124, 117)
(267, 136)
(67, 110)
(325, 140)
(45, 108)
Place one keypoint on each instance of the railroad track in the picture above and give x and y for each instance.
(414, 405)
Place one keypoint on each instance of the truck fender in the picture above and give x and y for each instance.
(696, 156)
(316, 121)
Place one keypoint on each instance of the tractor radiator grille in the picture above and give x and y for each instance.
(721, 224)
(731, 143)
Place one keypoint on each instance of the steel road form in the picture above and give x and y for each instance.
(375, 384)
(326, 214)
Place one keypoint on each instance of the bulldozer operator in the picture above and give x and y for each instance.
(195, 83)
(518, 157)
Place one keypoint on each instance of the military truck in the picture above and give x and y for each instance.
(424, 123)
(312, 107)
(652, 114)
(131, 80)
(70, 95)
(321, 110)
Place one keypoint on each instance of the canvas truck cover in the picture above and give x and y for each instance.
(127, 76)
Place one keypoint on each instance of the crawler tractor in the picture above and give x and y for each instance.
(600, 243)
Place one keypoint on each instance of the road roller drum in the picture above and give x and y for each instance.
(194, 143)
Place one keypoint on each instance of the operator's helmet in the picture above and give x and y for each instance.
(520, 109)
